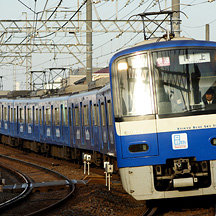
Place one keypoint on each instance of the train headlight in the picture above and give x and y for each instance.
(139, 148)
(122, 66)
(213, 141)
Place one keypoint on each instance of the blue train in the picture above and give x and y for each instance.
(157, 118)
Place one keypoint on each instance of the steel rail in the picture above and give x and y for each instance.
(26, 191)
(58, 203)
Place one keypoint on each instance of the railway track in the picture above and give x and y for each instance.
(25, 191)
(37, 203)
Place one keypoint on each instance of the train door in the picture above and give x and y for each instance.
(42, 123)
(57, 124)
(70, 137)
(104, 129)
(1, 116)
(64, 125)
(77, 127)
(29, 122)
(86, 126)
(95, 127)
(5, 118)
(33, 121)
(100, 138)
(21, 121)
(82, 123)
(91, 120)
(16, 118)
(73, 125)
(110, 128)
(36, 124)
(66, 132)
(47, 111)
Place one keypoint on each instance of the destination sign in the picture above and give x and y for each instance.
(194, 58)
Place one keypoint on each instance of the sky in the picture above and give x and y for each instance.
(198, 12)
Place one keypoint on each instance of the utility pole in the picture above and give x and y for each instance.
(14, 77)
(89, 42)
(176, 17)
(207, 32)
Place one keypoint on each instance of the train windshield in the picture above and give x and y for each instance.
(178, 81)
(185, 80)
(132, 86)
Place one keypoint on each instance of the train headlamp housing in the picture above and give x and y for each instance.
(142, 147)
(213, 141)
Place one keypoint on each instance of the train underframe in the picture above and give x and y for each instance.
(60, 152)
(182, 174)
(179, 177)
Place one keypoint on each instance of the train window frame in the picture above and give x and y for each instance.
(98, 116)
(86, 115)
(125, 111)
(109, 113)
(91, 114)
(48, 116)
(5, 113)
(77, 116)
(62, 115)
(70, 116)
(66, 116)
(40, 116)
(33, 116)
(11, 114)
(103, 114)
(193, 108)
(29, 115)
(1, 112)
(57, 116)
(15, 114)
(21, 115)
(36, 116)
(95, 115)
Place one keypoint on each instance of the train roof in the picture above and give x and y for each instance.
(155, 44)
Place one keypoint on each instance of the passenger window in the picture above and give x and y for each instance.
(69, 118)
(29, 115)
(36, 116)
(103, 116)
(77, 116)
(1, 112)
(95, 115)
(21, 115)
(109, 109)
(48, 116)
(91, 113)
(86, 116)
(66, 116)
(98, 115)
(15, 115)
(11, 114)
(40, 116)
(57, 122)
(5, 114)
(33, 115)
(62, 115)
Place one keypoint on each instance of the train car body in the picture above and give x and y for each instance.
(157, 118)
(165, 131)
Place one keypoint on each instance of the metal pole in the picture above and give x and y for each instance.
(176, 17)
(14, 77)
(89, 42)
(207, 32)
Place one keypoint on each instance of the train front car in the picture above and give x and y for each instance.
(165, 118)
